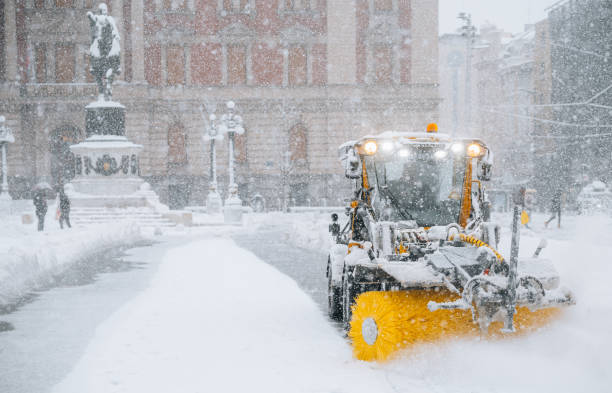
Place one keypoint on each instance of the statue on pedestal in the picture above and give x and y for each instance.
(104, 51)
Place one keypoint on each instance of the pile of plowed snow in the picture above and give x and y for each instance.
(30, 260)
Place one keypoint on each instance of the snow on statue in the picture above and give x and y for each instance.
(104, 51)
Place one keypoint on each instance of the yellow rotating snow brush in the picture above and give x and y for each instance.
(385, 322)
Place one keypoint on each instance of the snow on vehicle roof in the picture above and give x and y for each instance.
(404, 134)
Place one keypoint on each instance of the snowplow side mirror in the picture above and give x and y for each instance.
(334, 227)
(484, 166)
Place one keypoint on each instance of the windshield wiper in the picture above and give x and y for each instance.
(396, 205)
(384, 190)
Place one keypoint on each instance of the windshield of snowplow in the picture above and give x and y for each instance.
(421, 183)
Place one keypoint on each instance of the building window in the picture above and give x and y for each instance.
(382, 64)
(206, 64)
(175, 65)
(267, 65)
(64, 3)
(297, 66)
(89, 78)
(298, 145)
(64, 63)
(298, 5)
(40, 56)
(39, 3)
(405, 63)
(236, 65)
(240, 148)
(383, 5)
(175, 5)
(153, 64)
(177, 152)
(237, 6)
(289, 7)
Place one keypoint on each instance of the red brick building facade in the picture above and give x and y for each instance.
(306, 75)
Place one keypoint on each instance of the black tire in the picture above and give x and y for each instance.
(350, 291)
(334, 296)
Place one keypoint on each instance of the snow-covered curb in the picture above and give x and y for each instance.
(34, 259)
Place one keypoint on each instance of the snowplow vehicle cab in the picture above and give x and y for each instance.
(417, 260)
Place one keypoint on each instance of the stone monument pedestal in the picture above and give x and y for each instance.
(214, 204)
(107, 163)
(232, 211)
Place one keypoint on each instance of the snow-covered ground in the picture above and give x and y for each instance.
(216, 318)
(30, 259)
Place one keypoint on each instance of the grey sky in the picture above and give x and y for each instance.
(509, 15)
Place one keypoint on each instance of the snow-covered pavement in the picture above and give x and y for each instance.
(217, 319)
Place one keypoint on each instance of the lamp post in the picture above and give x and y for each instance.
(232, 125)
(6, 137)
(213, 200)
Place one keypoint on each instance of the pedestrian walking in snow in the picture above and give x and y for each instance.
(40, 202)
(555, 209)
(64, 208)
(519, 200)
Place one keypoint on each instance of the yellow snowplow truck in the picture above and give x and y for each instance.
(417, 260)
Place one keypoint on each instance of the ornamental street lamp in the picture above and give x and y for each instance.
(232, 125)
(6, 137)
(213, 200)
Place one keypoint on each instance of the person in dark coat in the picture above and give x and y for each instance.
(40, 202)
(64, 205)
(555, 209)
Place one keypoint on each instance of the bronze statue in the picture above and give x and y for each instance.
(104, 51)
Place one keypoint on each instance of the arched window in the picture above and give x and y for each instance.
(240, 147)
(298, 144)
(177, 152)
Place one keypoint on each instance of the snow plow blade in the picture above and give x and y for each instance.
(384, 322)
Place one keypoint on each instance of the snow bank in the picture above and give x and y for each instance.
(29, 260)
(217, 319)
(309, 230)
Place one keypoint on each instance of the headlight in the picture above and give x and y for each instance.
(440, 154)
(474, 150)
(370, 147)
(387, 146)
(403, 153)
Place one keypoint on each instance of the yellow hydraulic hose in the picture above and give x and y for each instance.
(477, 243)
